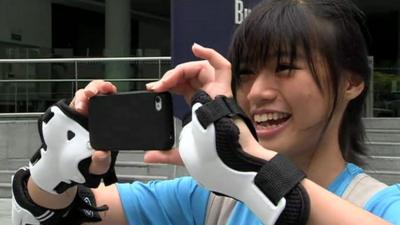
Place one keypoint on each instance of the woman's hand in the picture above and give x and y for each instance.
(213, 75)
(80, 101)
(169, 157)
(101, 160)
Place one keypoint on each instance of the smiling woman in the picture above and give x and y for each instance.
(275, 135)
(320, 40)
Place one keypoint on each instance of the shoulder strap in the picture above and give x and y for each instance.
(219, 208)
(362, 188)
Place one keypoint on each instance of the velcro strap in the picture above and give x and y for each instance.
(278, 177)
(82, 209)
(221, 107)
(297, 209)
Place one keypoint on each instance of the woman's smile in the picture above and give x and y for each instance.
(270, 123)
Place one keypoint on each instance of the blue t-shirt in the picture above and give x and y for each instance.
(182, 201)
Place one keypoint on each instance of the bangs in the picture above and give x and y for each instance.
(288, 32)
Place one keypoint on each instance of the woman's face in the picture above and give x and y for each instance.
(288, 109)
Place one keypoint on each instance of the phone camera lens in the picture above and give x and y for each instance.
(158, 103)
(158, 99)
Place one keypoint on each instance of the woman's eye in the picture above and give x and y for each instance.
(245, 72)
(245, 75)
(284, 67)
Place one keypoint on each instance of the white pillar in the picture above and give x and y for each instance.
(118, 39)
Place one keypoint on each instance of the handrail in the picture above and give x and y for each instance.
(386, 68)
(71, 60)
(73, 80)
(21, 94)
(19, 115)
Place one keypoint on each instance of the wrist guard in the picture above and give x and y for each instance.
(65, 155)
(210, 149)
(26, 212)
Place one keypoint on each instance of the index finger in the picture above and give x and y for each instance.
(99, 87)
(181, 74)
(82, 96)
(221, 65)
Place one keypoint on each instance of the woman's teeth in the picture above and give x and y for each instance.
(265, 117)
(271, 120)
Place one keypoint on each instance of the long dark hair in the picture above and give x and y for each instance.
(334, 29)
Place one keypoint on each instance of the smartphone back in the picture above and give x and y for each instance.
(131, 121)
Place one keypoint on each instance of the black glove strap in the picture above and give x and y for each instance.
(82, 209)
(297, 209)
(280, 178)
(20, 192)
(222, 107)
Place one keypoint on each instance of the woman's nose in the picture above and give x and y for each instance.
(263, 88)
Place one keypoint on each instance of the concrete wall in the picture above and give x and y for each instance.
(18, 139)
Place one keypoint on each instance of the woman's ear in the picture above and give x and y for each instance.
(354, 86)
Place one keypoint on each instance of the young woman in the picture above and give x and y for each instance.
(299, 71)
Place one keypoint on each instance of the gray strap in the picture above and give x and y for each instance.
(219, 208)
(362, 188)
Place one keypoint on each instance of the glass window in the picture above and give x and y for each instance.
(383, 22)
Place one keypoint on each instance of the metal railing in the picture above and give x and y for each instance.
(76, 77)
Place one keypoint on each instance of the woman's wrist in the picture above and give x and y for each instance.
(48, 200)
(250, 144)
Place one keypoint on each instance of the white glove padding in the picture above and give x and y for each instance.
(65, 155)
(210, 149)
(198, 150)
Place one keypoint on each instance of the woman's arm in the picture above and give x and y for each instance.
(329, 209)
(104, 195)
(326, 208)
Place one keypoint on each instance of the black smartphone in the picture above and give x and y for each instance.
(138, 120)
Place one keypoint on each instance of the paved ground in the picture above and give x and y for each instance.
(5, 211)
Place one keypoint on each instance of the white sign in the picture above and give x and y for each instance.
(240, 11)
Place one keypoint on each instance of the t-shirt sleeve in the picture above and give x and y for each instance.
(386, 204)
(173, 202)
